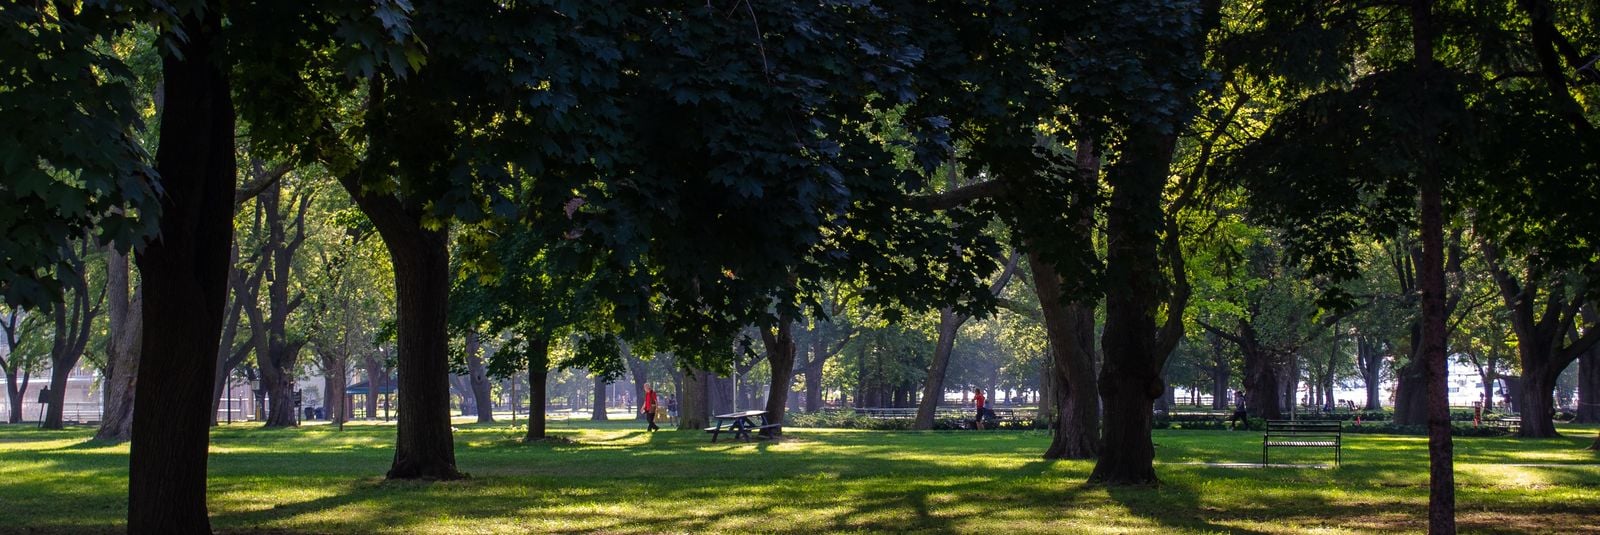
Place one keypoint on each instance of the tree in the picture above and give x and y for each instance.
(184, 273)
(950, 322)
(1410, 98)
(72, 320)
(19, 359)
(1542, 317)
(345, 304)
(79, 166)
(277, 353)
(126, 317)
(824, 338)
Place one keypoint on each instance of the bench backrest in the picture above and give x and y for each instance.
(1305, 427)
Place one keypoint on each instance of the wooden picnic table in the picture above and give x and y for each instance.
(741, 424)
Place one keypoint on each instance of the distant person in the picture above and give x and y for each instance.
(978, 399)
(1239, 414)
(672, 407)
(650, 407)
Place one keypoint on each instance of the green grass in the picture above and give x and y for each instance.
(616, 478)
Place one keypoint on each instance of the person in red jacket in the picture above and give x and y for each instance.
(978, 399)
(650, 407)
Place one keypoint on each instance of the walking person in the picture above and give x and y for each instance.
(1239, 413)
(650, 407)
(978, 399)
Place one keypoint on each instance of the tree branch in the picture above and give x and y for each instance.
(260, 180)
(955, 198)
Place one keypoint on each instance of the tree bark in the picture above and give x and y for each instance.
(1541, 343)
(1221, 372)
(122, 351)
(1069, 327)
(279, 368)
(1130, 377)
(599, 413)
(376, 378)
(1589, 387)
(15, 386)
(814, 387)
(538, 383)
(780, 346)
(1441, 451)
(478, 376)
(425, 447)
(74, 318)
(933, 389)
(335, 373)
(1411, 393)
(538, 387)
(1369, 358)
(692, 403)
(185, 276)
(243, 289)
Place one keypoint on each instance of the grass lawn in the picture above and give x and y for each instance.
(617, 478)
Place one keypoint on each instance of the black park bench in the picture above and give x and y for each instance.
(1303, 434)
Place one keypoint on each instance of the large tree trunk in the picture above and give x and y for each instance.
(334, 377)
(692, 402)
(538, 383)
(55, 398)
(478, 377)
(15, 388)
(1538, 402)
(933, 387)
(73, 319)
(781, 348)
(185, 276)
(122, 351)
(1411, 393)
(1130, 378)
(1069, 328)
(425, 447)
(599, 413)
(1441, 471)
(1263, 396)
(538, 386)
(376, 378)
(1291, 385)
(282, 356)
(1369, 360)
(1441, 451)
(1589, 387)
(1221, 372)
(814, 387)
(228, 357)
(462, 384)
(279, 386)
(720, 396)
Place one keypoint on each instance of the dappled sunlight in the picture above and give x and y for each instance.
(616, 478)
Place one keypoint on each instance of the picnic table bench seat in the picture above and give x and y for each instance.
(1303, 434)
(740, 424)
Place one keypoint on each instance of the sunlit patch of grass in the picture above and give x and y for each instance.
(614, 477)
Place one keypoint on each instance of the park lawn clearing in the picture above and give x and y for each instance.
(616, 478)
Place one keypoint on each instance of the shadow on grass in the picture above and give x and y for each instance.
(1171, 506)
